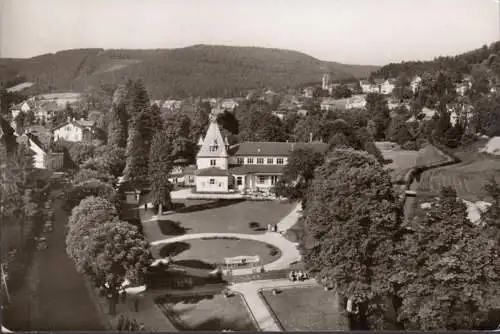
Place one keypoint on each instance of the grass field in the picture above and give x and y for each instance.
(207, 312)
(229, 216)
(467, 177)
(206, 254)
(306, 309)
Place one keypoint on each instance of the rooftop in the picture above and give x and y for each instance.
(212, 171)
(274, 148)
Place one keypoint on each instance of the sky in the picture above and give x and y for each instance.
(373, 32)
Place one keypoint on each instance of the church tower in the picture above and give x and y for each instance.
(325, 81)
(213, 148)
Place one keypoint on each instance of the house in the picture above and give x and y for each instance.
(280, 113)
(426, 115)
(371, 87)
(356, 102)
(246, 166)
(387, 86)
(229, 104)
(415, 83)
(75, 130)
(309, 92)
(43, 157)
(171, 105)
(330, 104)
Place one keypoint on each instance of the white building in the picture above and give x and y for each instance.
(43, 157)
(75, 131)
(246, 166)
(415, 83)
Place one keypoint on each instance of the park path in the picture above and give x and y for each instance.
(257, 306)
(289, 251)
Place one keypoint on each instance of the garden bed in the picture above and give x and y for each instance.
(210, 252)
(207, 312)
(306, 309)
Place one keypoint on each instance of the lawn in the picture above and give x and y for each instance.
(401, 161)
(204, 216)
(468, 178)
(207, 312)
(306, 309)
(208, 253)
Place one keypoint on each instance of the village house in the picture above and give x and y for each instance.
(229, 104)
(426, 115)
(356, 102)
(43, 157)
(387, 86)
(244, 167)
(309, 92)
(330, 104)
(23, 106)
(415, 83)
(75, 130)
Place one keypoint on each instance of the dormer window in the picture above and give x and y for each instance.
(214, 148)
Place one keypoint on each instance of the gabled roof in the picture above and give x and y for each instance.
(280, 149)
(214, 144)
(36, 141)
(212, 171)
(78, 123)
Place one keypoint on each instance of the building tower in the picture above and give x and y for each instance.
(325, 81)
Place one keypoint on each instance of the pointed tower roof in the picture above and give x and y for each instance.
(213, 145)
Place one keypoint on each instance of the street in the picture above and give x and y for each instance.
(54, 296)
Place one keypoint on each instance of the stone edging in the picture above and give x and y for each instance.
(269, 308)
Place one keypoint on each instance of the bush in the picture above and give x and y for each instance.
(410, 146)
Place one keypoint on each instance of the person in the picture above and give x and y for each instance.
(294, 276)
(299, 275)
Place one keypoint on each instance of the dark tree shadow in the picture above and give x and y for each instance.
(217, 324)
(211, 205)
(195, 264)
(170, 227)
(174, 249)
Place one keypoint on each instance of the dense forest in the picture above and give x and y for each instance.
(199, 70)
(464, 63)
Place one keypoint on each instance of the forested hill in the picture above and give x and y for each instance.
(464, 63)
(202, 70)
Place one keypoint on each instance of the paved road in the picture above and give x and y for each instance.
(54, 296)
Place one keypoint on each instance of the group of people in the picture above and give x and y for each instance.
(298, 275)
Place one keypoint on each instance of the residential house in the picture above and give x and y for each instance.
(330, 104)
(415, 83)
(356, 102)
(23, 106)
(309, 92)
(171, 105)
(371, 87)
(280, 113)
(246, 166)
(387, 86)
(426, 115)
(75, 131)
(43, 157)
(229, 104)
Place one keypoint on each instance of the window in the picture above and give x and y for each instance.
(212, 181)
(214, 148)
(274, 179)
(240, 161)
(239, 181)
(279, 161)
(261, 179)
(270, 161)
(260, 161)
(213, 162)
(249, 160)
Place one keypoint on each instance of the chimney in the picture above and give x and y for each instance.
(310, 137)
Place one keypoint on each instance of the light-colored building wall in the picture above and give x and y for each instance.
(212, 184)
(39, 158)
(69, 132)
(202, 163)
(253, 160)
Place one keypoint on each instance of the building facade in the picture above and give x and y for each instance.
(74, 131)
(245, 167)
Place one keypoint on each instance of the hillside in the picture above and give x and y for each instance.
(464, 63)
(197, 70)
